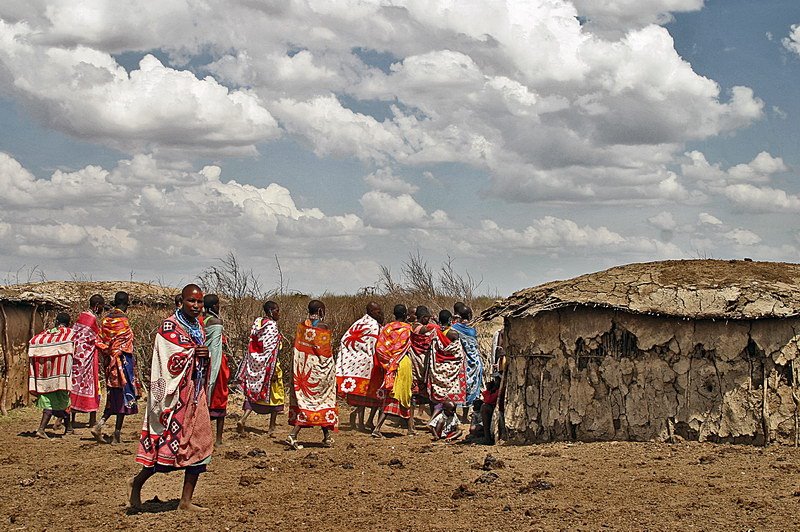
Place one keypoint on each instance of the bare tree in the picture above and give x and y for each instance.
(230, 279)
(418, 281)
(25, 275)
(418, 276)
(386, 282)
(283, 285)
(454, 284)
(241, 292)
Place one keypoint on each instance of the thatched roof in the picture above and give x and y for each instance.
(717, 289)
(64, 294)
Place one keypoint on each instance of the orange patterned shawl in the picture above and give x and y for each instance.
(313, 394)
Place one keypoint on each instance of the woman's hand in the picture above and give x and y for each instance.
(201, 351)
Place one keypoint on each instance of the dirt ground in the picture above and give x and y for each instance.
(399, 483)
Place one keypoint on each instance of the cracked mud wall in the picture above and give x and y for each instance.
(597, 374)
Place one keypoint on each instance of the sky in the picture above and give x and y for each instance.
(526, 141)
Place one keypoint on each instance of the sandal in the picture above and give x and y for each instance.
(327, 441)
(292, 443)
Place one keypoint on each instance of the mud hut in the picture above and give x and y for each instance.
(25, 309)
(699, 349)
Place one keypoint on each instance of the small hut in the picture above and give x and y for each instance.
(25, 309)
(699, 349)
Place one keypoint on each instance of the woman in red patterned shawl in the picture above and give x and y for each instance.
(260, 375)
(422, 334)
(122, 386)
(313, 393)
(85, 394)
(448, 381)
(177, 428)
(391, 354)
(355, 367)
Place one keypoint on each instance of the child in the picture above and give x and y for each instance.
(490, 395)
(444, 425)
(476, 421)
(50, 353)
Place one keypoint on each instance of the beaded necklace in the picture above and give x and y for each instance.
(194, 329)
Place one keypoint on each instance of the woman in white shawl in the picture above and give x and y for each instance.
(260, 373)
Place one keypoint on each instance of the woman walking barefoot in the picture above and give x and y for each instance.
(260, 373)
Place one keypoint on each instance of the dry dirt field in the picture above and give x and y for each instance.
(400, 483)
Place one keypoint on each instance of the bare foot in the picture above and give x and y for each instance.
(134, 500)
(376, 434)
(218, 443)
(240, 428)
(97, 432)
(191, 507)
(41, 434)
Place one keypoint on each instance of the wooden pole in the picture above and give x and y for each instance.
(6, 361)
(796, 400)
(764, 403)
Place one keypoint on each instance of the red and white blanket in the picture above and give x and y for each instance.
(85, 396)
(448, 381)
(177, 426)
(312, 401)
(356, 357)
(50, 361)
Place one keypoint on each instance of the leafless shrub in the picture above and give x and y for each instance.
(456, 285)
(386, 282)
(80, 277)
(230, 279)
(418, 276)
(283, 284)
(242, 296)
(25, 274)
(418, 282)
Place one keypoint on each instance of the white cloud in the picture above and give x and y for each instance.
(751, 198)
(389, 211)
(705, 218)
(384, 180)
(86, 93)
(625, 14)
(743, 237)
(179, 217)
(664, 221)
(519, 90)
(577, 106)
(760, 170)
(332, 129)
(546, 233)
(792, 42)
